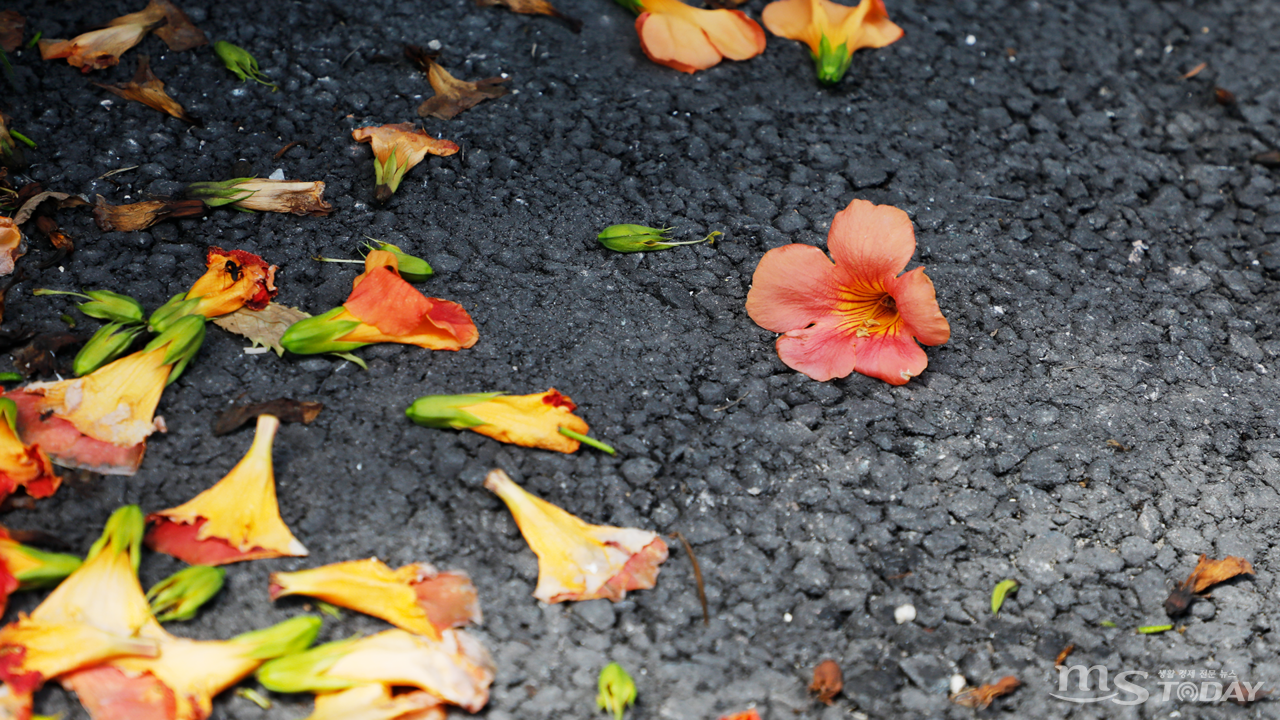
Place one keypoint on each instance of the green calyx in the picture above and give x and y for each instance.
(9, 409)
(167, 314)
(617, 690)
(635, 6)
(320, 334)
(388, 176)
(831, 64)
(239, 61)
(180, 595)
(447, 411)
(122, 534)
(411, 267)
(285, 639)
(304, 672)
(50, 568)
(640, 238)
(182, 341)
(108, 343)
(104, 305)
(217, 194)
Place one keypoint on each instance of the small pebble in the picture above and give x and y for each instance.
(957, 683)
(904, 614)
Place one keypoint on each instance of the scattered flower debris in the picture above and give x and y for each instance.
(456, 669)
(22, 466)
(832, 31)
(697, 575)
(1206, 574)
(689, 39)
(858, 314)
(245, 66)
(26, 568)
(383, 307)
(1154, 629)
(103, 305)
(828, 681)
(32, 202)
(180, 595)
(142, 215)
(233, 279)
(148, 89)
(11, 245)
(283, 196)
(235, 520)
(1062, 656)
(12, 25)
(1002, 590)
(264, 327)
(416, 597)
(534, 7)
(375, 702)
(617, 690)
(535, 420)
(287, 410)
(750, 714)
(101, 49)
(452, 95)
(1270, 159)
(577, 560)
(39, 358)
(980, 698)
(638, 238)
(396, 149)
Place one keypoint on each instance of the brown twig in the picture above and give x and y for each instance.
(697, 576)
(280, 153)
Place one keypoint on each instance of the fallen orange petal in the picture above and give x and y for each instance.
(391, 310)
(690, 39)
(11, 247)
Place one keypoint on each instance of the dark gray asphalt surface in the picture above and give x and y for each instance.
(1103, 247)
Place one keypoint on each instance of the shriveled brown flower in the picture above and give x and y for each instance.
(828, 681)
(533, 7)
(980, 698)
(142, 215)
(1206, 574)
(179, 33)
(396, 149)
(148, 89)
(101, 49)
(298, 197)
(11, 26)
(11, 245)
(452, 95)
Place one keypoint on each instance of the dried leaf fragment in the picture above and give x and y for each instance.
(828, 681)
(980, 698)
(11, 26)
(142, 215)
(1269, 159)
(1062, 656)
(452, 95)
(101, 49)
(40, 356)
(1206, 574)
(179, 33)
(148, 89)
(31, 204)
(286, 409)
(264, 327)
(533, 7)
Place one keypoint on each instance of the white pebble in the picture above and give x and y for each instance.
(969, 40)
(786, 617)
(957, 683)
(278, 174)
(904, 614)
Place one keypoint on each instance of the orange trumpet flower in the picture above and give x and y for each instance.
(691, 39)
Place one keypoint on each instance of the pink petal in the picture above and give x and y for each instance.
(822, 351)
(894, 358)
(793, 287)
(871, 243)
(918, 306)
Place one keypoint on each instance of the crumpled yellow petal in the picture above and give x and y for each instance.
(103, 592)
(577, 560)
(116, 403)
(530, 420)
(52, 649)
(457, 668)
(375, 702)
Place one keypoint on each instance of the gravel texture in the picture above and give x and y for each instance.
(1104, 249)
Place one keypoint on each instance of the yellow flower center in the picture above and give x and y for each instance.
(868, 311)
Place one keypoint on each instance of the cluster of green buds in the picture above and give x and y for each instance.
(124, 317)
(239, 61)
(639, 238)
(617, 690)
(182, 341)
(180, 595)
(411, 267)
(167, 314)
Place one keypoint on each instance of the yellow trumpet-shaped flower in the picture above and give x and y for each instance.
(577, 560)
(32, 651)
(416, 597)
(533, 420)
(236, 519)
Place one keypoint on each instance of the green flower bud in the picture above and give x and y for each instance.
(180, 595)
(165, 315)
(446, 411)
(123, 533)
(183, 338)
(617, 690)
(304, 671)
(831, 64)
(239, 61)
(42, 569)
(110, 342)
(289, 638)
(105, 305)
(639, 238)
(412, 267)
(320, 334)
(9, 410)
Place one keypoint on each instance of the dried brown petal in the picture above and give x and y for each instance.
(264, 327)
(828, 681)
(284, 408)
(11, 26)
(179, 33)
(29, 204)
(1206, 574)
(533, 7)
(140, 216)
(101, 49)
(63, 244)
(1224, 96)
(1062, 656)
(148, 89)
(40, 357)
(1269, 159)
(979, 698)
(452, 95)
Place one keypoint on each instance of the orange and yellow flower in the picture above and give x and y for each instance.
(831, 30)
(24, 568)
(396, 149)
(236, 519)
(416, 597)
(21, 465)
(11, 247)
(233, 279)
(577, 560)
(101, 49)
(101, 421)
(383, 307)
(691, 39)
(858, 314)
(528, 420)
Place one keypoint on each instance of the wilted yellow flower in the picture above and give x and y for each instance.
(236, 519)
(533, 420)
(416, 597)
(375, 702)
(233, 279)
(577, 560)
(45, 650)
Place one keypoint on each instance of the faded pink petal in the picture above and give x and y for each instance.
(822, 351)
(918, 304)
(777, 302)
(873, 242)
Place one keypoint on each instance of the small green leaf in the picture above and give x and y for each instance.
(1153, 629)
(254, 697)
(1003, 588)
(10, 377)
(1107, 623)
(617, 690)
